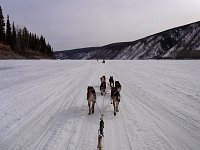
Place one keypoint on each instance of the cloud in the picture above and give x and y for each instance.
(69, 24)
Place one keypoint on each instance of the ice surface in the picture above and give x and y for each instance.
(43, 105)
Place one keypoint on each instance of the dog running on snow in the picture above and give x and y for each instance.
(103, 85)
(91, 98)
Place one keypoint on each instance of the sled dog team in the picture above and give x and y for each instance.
(115, 94)
(115, 99)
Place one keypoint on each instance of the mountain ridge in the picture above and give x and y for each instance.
(176, 43)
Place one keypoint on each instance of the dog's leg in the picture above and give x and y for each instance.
(117, 106)
(89, 112)
(93, 107)
(114, 113)
(100, 143)
(89, 105)
(101, 92)
(114, 107)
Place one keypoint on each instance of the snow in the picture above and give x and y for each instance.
(170, 52)
(125, 54)
(43, 105)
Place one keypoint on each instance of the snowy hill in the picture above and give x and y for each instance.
(43, 105)
(179, 42)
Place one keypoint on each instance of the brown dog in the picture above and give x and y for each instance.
(100, 138)
(91, 98)
(103, 85)
(100, 133)
(115, 97)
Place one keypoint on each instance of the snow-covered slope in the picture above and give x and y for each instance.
(43, 105)
(180, 42)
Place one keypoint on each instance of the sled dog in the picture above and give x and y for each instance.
(91, 98)
(111, 81)
(115, 97)
(118, 86)
(100, 138)
(103, 78)
(103, 85)
(103, 88)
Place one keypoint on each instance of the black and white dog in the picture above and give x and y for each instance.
(111, 80)
(118, 86)
(103, 85)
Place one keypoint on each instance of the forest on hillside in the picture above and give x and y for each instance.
(21, 41)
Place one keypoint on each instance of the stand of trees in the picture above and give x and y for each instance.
(21, 40)
(187, 54)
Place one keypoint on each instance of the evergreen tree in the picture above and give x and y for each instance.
(36, 42)
(8, 31)
(25, 38)
(2, 27)
(14, 37)
(31, 42)
(19, 39)
(42, 44)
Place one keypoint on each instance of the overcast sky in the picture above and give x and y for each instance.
(69, 24)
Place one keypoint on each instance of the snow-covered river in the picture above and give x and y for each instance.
(43, 105)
